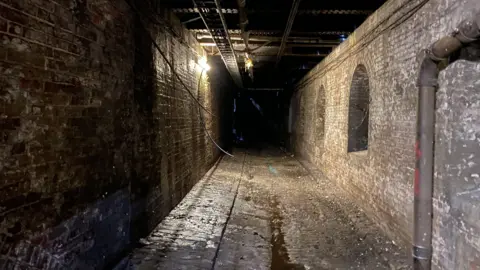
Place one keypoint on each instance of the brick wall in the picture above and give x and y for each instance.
(380, 178)
(98, 139)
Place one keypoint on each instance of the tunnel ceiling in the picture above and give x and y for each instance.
(286, 38)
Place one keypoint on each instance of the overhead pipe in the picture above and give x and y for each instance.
(467, 32)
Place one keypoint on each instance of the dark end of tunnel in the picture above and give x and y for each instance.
(260, 118)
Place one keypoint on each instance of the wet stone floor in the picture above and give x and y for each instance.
(263, 210)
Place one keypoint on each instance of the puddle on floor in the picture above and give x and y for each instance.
(280, 257)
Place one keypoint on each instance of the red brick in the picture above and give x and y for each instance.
(26, 58)
(4, 136)
(86, 33)
(9, 123)
(17, 176)
(45, 15)
(101, 136)
(36, 35)
(3, 54)
(63, 35)
(37, 109)
(13, 15)
(53, 87)
(42, 27)
(78, 100)
(15, 29)
(33, 85)
(61, 99)
(22, 5)
(65, 88)
(3, 25)
(27, 71)
(9, 195)
(65, 57)
(40, 49)
(18, 148)
(47, 5)
(16, 109)
(56, 64)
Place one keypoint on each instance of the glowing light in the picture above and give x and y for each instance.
(248, 63)
(202, 62)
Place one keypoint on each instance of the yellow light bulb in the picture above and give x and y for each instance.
(249, 63)
(202, 62)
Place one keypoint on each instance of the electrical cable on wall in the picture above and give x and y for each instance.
(200, 106)
(204, 124)
(170, 65)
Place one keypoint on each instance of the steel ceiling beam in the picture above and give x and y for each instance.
(312, 12)
(277, 32)
(243, 21)
(294, 45)
(200, 37)
(192, 20)
(295, 54)
(264, 89)
(215, 23)
(288, 28)
(195, 9)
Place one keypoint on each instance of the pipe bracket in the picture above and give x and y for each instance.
(422, 253)
(468, 31)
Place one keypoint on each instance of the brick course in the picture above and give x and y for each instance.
(98, 139)
(380, 179)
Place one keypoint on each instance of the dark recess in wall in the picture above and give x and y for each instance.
(358, 111)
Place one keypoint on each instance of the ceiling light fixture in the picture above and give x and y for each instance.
(248, 63)
(202, 62)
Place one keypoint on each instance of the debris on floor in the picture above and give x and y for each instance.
(281, 219)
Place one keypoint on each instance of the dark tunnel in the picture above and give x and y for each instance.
(239, 134)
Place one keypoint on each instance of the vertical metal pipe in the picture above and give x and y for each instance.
(423, 186)
(468, 31)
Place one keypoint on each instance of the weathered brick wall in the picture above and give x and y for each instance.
(380, 179)
(98, 140)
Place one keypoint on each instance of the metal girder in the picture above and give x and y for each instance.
(294, 45)
(195, 9)
(235, 37)
(334, 12)
(264, 89)
(277, 32)
(288, 28)
(217, 27)
(312, 12)
(295, 55)
(192, 20)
